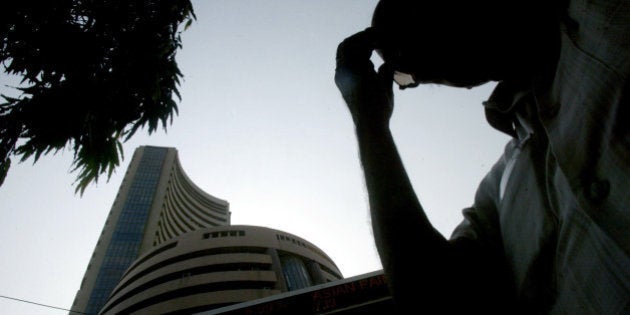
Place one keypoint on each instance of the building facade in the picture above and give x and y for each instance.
(216, 267)
(167, 247)
(155, 202)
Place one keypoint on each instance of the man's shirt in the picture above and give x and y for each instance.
(557, 203)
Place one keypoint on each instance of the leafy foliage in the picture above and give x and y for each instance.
(94, 72)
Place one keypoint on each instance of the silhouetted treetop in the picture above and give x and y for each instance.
(93, 73)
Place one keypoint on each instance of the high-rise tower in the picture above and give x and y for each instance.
(167, 247)
(156, 202)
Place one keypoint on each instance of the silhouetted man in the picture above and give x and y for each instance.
(548, 231)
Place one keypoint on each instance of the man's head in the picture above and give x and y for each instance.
(437, 42)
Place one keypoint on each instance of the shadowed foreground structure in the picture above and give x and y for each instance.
(363, 294)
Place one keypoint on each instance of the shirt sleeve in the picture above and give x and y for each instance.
(481, 220)
(478, 248)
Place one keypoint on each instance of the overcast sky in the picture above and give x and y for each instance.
(262, 125)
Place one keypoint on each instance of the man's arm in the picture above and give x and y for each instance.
(414, 255)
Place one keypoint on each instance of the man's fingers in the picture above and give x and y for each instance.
(357, 49)
(354, 69)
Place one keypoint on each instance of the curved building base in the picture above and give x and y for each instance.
(215, 267)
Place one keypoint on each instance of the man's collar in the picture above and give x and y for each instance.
(500, 106)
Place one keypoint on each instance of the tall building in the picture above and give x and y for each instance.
(167, 247)
(155, 202)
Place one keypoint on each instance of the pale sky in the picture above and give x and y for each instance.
(262, 125)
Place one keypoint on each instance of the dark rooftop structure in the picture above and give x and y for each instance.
(363, 294)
